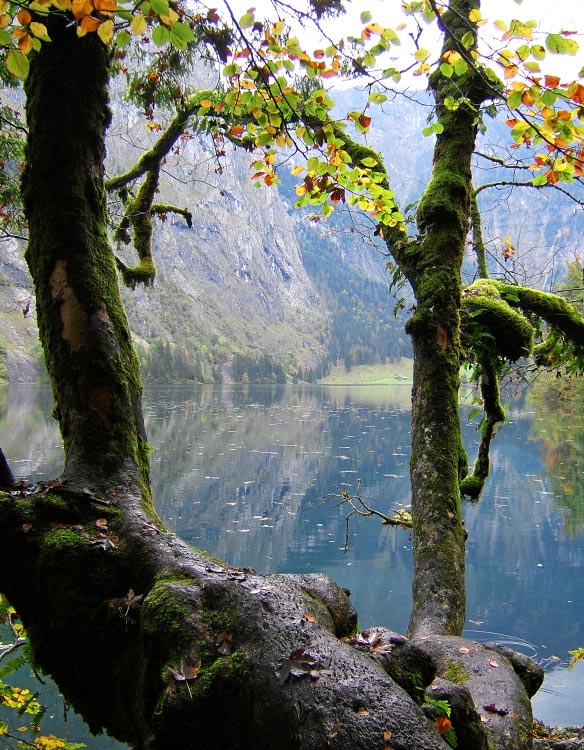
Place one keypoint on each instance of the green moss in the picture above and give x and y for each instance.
(472, 486)
(493, 326)
(59, 542)
(455, 673)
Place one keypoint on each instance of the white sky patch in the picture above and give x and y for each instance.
(551, 17)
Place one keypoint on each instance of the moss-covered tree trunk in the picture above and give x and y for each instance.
(83, 328)
(434, 270)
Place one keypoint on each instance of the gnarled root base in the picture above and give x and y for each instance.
(164, 646)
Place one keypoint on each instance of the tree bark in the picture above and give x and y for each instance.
(438, 461)
(83, 328)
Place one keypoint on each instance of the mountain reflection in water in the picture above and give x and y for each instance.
(241, 472)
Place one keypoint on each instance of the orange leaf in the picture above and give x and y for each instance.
(552, 82)
(23, 17)
(236, 130)
(443, 724)
(309, 618)
(510, 72)
(105, 5)
(387, 735)
(25, 43)
(89, 24)
(364, 121)
(576, 92)
(81, 8)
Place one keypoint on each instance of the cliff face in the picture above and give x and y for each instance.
(233, 282)
(238, 281)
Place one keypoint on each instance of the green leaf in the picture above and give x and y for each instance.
(467, 40)
(369, 161)
(182, 31)
(17, 64)
(366, 16)
(514, 99)
(377, 97)
(123, 39)
(540, 180)
(160, 7)
(446, 70)
(161, 35)
(561, 45)
(246, 20)
(5, 38)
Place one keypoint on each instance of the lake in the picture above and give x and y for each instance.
(243, 472)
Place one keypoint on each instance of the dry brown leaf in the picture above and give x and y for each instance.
(26, 527)
(493, 663)
(362, 712)
(387, 734)
(464, 650)
(101, 523)
(309, 618)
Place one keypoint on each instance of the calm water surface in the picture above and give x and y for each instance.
(242, 472)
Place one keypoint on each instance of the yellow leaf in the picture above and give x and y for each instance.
(106, 31)
(62, 4)
(475, 15)
(206, 103)
(171, 18)
(301, 189)
(4, 20)
(297, 169)
(40, 31)
(81, 32)
(138, 24)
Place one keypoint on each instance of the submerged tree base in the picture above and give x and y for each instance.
(162, 645)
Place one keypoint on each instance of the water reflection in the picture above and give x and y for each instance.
(242, 471)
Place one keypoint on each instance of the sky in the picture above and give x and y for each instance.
(551, 15)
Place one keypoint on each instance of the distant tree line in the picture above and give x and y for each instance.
(263, 369)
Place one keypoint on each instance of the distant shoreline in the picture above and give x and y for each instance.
(396, 373)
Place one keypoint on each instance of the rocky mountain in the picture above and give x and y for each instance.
(257, 290)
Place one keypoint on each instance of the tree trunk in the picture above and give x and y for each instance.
(438, 460)
(93, 368)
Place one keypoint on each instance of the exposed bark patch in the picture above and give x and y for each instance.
(443, 338)
(99, 399)
(73, 316)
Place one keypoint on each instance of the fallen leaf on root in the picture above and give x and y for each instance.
(299, 664)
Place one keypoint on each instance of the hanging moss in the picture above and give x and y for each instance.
(492, 326)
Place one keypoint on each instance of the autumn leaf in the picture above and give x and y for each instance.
(442, 724)
(81, 8)
(101, 523)
(23, 17)
(138, 24)
(236, 130)
(106, 31)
